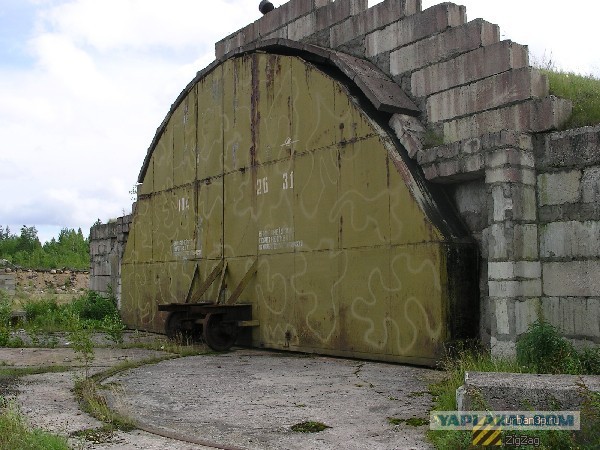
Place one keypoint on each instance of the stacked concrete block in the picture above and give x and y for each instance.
(469, 67)
(414, 28)
(568, 202)
(489, 93)
(7, 282)
(107, 244)
(533, 116)
(299, 20)
(514, 271)
(349, 35)
(501, 153)
(443, 46)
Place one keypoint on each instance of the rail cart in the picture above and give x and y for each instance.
(219, 322)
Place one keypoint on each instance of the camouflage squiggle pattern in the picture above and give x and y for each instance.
(269, 157)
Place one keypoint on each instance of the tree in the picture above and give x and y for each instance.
(28, 241)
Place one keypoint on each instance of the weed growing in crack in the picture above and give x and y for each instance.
(309, 427)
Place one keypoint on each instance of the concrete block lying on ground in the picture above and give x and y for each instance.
(523, 391)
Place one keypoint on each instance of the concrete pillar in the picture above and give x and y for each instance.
(511, 245)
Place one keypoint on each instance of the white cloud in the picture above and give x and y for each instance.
(110, 25)
(76, 123)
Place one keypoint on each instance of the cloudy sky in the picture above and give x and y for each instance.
(85, 83)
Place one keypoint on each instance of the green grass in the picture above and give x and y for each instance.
(15, 433)
(22, 371)
(309, 427)
(583, 91)
(93, 402)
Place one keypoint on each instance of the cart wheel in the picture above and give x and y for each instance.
(173, 324)
(177, 326)
(218, 334)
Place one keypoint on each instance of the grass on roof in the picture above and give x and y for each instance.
(582, 90)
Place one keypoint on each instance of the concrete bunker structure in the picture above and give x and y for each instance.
(391, 171)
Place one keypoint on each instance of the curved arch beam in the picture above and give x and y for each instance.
(383, 93)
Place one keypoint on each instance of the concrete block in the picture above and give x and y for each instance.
(448, 168)
(415, 27)
(8, 282)
(586, 316)
(502, 348)
(527, 311)
(511, 242)
(570, 239)
(427, 155)
(505, 139)
(473, 164)
(409, 132)
(373, 18)
(569, 148)
(513, 201)
(246, 35)
(510, 175)
(515, 288)
(99, 283)
(571, 278)
(430, 172)
(590, 185)
(524, 202)
(451, 42)
(280, 33)
(513, 270)
(338, 11)
(533, 115)
(509, 157)
(492, 92)
(502, 205)
(284, 14)
(519, 391)
(560, 187)
(499, 307)
(574, 316)
(549, 113)
(468, 67)
(302, 27)
(471, 199)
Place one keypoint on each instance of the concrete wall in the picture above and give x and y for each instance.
(107, 244)
(530, 196)
(568, 199)
(7, 281)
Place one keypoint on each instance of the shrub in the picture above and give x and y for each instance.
(543, 349)
(93, 306)
(41, 308)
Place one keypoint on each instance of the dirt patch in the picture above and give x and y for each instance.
(39, 284)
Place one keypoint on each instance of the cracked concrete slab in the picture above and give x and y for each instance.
(250, 399)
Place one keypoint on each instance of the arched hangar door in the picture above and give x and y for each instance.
(273, 159)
